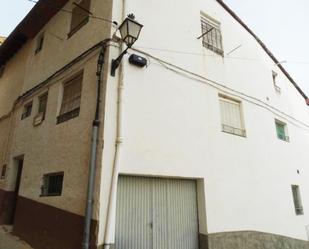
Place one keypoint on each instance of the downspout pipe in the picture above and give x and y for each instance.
(93, 154)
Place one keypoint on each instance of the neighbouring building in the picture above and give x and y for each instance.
(204, 145)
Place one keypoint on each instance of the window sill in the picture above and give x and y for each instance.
(286, 139)
(68, 115)
(50, 195)
(234, 131)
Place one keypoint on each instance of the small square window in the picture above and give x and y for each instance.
(39, 44)
(3, 172)
(281, 129)
(52, 184)
(231, 116)
(27, 110)
(297, 200)
(211, 33)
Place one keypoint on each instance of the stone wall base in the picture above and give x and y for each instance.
(249, 240)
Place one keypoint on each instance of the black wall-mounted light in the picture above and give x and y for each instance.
(129, 31)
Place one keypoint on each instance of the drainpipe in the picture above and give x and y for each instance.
(93, 155)
(109, 237)
(111, 212)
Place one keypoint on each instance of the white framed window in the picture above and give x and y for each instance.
(231, 116)
(211, 34)
(282, 130)
(297, 200)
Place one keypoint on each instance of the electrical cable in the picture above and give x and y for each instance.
(227, 90)
(115, 24)
(225, 57)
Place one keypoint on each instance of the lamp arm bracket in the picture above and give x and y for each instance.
(117, 61)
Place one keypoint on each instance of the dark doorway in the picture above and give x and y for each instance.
(19, 169)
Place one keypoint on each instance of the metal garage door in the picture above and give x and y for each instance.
(156, 213)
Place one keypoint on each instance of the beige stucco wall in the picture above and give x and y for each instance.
(11, 84)
(64, 147)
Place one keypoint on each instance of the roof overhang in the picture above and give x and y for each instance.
(29, 27)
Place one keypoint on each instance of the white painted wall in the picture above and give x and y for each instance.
(171, 124)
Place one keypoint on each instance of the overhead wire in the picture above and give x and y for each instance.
(216, 56)
(225, 89)
(115, 24)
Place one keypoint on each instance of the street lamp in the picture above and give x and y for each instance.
(129, 31)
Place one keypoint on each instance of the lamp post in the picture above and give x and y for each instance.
(129, 31)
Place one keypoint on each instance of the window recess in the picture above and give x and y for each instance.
(231, 116)
(2, 67)
(27, 110)
(80, 16)
(297, 200)
(39, 44)
(276, 86)
(70, 106)
(52, 184)
(281, 129)
(3, 172)
(39, 118)
(211, 35)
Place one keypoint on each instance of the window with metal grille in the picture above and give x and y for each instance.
(70, 106)
(52, 184)
(297, 200)
(281, 129)
(27, 110)
(231, 116)
(39, 44)
(211, 33)
(80, 16)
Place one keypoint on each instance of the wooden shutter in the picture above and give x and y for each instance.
(71, 94)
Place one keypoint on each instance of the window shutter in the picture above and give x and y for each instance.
(71, 95)
(231, 116)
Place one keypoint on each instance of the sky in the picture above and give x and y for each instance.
(280, 24)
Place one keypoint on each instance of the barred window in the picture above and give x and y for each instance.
(70, 106)
(52, 184)
(231, 116)
(212, 38)
(80, 16)
(297, 200)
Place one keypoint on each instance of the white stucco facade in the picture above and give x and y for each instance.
(170, 124)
